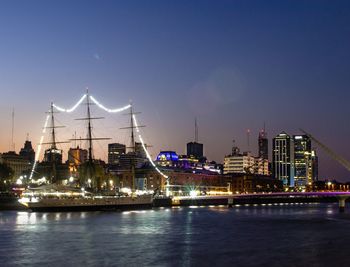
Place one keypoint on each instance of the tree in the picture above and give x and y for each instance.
(6, 174)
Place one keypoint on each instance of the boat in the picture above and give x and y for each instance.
(56, 197)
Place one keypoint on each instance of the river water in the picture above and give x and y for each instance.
(283, 235)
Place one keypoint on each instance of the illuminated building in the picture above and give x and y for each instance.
(77, 156)
(114, 152)
(53, 155)
(188, 161)
(146, 179)
(253, 183)
(238, 163)
(245, 163)
(283, 159)
(18, 164)
(168, 158)
(302, 161)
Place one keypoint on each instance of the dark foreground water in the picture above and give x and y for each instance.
(288, 235)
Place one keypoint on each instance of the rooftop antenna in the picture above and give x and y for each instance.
(13, 148)
(248, 139)
(27, 137)
(195, 130)
(235, 149)
(75, 137)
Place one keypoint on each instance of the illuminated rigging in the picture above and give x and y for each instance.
(39, 146)
(101, 106)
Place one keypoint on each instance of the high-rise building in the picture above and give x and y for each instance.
(263, 145)
(195, 149)
(283, 159)
(27, 152)
(302, 161)
(314, 167)
(114, 152)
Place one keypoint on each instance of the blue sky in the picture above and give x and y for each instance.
(232, 64)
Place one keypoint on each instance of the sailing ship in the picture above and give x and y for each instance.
(55, 197)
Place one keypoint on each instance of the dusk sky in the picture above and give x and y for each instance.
(232, 64)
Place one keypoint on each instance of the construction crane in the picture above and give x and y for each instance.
(329, 151)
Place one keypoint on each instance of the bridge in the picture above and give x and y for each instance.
(264, 198)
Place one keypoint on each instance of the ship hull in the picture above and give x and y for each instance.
(100, 204)
(91, 208)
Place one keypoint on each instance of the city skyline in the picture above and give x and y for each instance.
(232, 65)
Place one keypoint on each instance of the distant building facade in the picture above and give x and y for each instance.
(314, 160)
(53, 155)
(115, 150)
(245, 163)
(302, 160)
(263, 145)
(195, 149)
(77, 156)
(17, 163)
(139, 150)
(27, 152)
(126, 161)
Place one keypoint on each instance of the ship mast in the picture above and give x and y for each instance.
(53, 154)
(132, 146)
(90, 168)
(53, 146)
(53, 134)
(89, 127)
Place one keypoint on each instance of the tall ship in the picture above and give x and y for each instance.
(86, 196)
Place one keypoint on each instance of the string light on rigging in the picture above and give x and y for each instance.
(39, 147)
(71, 109)
(137, 130)
(146, 151)
(107, 109)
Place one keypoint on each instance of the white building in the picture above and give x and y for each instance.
(17, 163)
(245, 163)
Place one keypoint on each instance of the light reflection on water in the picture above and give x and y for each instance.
(246, 235)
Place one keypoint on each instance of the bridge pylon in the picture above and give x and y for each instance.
(342, 199)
